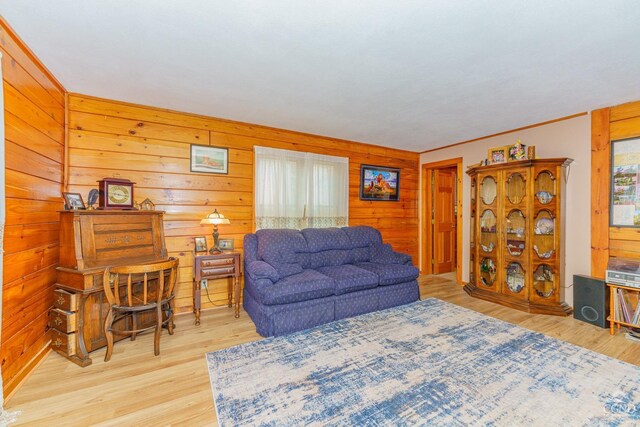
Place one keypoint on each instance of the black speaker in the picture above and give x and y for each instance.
(590, 300)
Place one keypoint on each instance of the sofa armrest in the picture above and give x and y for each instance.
(262, 270)
(403, 258)
(384, 254)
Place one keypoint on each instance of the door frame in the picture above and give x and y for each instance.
(427, 207)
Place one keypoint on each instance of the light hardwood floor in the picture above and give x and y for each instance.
(136, 388)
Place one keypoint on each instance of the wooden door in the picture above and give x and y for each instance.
(444, 224)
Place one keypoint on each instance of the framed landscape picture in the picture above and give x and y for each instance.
(379, 183)
(625, 191)
(208, 159)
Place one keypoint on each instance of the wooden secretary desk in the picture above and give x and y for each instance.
(90, 241)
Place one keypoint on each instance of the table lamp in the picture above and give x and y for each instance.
(215, 218)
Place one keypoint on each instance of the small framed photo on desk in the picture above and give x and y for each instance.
(73, 201)
(225, 244)
(200, 244)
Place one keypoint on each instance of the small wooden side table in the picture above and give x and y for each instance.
(219, 266)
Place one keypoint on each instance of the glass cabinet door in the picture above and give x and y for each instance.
(544, 234)
(545, 187)
(516, 188)
(488, 231)
(488, 190)
(544, 281)
(473, 190)
(472, 238)
(487, 272)
(515, 233)
(515, 279)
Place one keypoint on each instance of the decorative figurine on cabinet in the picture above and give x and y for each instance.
(518, 152)
(147, 205)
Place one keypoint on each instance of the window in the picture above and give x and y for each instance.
(300, 190)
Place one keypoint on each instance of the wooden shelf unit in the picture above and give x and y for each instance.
(612, 301)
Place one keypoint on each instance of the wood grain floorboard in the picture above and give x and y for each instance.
(137, 389)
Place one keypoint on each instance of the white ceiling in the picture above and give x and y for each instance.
(407, 74)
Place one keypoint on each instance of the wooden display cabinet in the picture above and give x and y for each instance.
(517, 230)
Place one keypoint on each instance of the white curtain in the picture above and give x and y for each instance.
(300, 190)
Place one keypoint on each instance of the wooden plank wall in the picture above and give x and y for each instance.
(151, 147)
(34, 148)
(607, 125)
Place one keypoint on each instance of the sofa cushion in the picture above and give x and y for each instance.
(328, 258)
(362, 236)
(307, 285)
(390, 274)
(349, 278)
(361, 254)
(279, 248)
(324, 239)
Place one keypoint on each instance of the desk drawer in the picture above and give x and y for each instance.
(63, 343)
(216, 262)
(65, 300)
(64, 321)
(206, 272)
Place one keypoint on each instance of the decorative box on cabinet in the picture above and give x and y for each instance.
(517, 232)
(89, 242)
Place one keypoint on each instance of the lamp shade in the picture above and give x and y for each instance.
(215, 218)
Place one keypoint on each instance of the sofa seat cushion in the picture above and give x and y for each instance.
(327, 258)
(304, 286)
(349, 278)
(391, 274)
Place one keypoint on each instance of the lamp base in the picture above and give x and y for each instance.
(215, 249)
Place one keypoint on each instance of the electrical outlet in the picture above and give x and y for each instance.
(203, 282)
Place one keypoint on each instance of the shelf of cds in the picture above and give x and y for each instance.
(624, 307)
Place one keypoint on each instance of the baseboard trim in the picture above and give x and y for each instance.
(18, 380)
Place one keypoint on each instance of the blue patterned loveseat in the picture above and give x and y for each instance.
(295, 279)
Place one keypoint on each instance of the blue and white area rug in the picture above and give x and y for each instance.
(427, 363)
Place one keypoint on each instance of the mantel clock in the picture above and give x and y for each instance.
(115, 193)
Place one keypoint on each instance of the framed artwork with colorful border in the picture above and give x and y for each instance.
(379, 183)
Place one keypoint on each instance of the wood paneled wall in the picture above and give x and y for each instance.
(607, 125)
(151, 147)
(34, 149)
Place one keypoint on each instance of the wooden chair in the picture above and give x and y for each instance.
(148, 288)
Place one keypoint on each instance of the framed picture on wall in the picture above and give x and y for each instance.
(208, 159)
(625, 194)
(379, 183)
